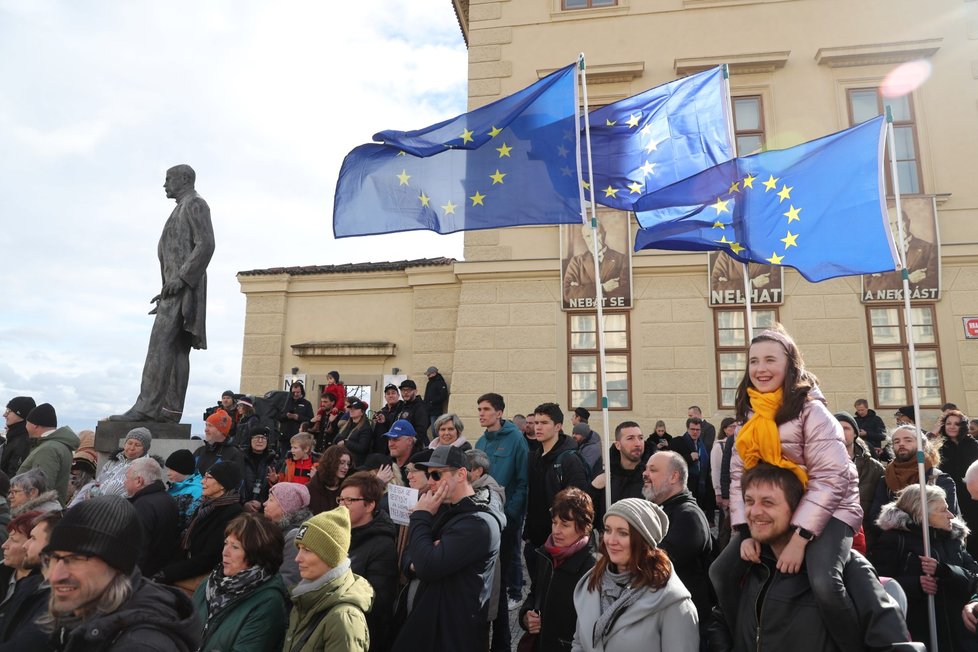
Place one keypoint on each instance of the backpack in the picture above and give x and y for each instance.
(559, 467)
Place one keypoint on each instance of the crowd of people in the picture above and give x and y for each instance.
(789, 525)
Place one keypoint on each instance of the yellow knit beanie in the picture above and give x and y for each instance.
(327, 534)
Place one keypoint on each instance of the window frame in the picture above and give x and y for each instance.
(627, 352)
(912, 124)
(719, 350)
(564, 7)
(904, 350)
(762, 132)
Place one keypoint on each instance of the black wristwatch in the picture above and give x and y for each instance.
(808, 535)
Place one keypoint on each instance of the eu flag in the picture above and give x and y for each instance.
(508, 163)
(818, 207)
(653, 139)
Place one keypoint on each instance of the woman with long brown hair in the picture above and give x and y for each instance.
(631, 599)
(324, 486)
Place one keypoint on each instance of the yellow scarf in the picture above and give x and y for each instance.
(759, 439)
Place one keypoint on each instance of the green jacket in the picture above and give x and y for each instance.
(52, 454)
(333, 608)
(255, 621)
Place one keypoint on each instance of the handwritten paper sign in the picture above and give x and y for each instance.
(401, 501)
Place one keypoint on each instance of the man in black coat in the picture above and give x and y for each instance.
(18, 444)
(709, 433)
(435, 394)
(625, 460)
(158, 514)
(871, 426)
(412, 408)
(688, 541)
(297, 410)
(694, 451)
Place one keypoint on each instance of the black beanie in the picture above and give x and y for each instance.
(848, 418)
(181, 461)
(43, 415)
(21, 406)
(103, 527)
(227, 474)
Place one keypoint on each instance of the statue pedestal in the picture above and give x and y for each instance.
(167, 437)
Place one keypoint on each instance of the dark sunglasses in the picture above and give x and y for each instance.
(436, 475)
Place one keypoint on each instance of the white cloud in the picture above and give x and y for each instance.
(263, 99)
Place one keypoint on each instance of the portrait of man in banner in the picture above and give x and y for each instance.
(922, 244)
(727, 281)
(614, 261)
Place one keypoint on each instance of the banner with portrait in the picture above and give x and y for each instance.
(578, 291)
(727, 281)
(923, 247)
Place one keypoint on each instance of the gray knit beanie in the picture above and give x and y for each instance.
(143, 436)
(645, 516)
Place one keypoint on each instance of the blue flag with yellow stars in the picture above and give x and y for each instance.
(653, 139)
(818, 207)
(509, 163)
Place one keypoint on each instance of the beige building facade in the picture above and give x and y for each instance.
(494, 322)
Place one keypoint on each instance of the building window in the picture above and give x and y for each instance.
(891, 360)
(748, 124)
(731, 347)
(588, 4)
(584, 362)
(866, 103)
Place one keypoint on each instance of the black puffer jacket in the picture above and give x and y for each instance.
(16, 450)
(18, 630)
(552, 595)
(689, 546)
(160, 517)
(206, 543)
(547, 478)
(765, 609)
(155, 618)
(897, 554)
(373, 556)
(256, 465)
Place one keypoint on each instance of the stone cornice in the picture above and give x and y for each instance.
(740, 64)
(877, 53)
(609, 73)
(344, 349)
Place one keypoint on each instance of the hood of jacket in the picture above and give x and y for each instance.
(63, 435)
(380, 526)
(292, 520)
(859, 448)
(45, 502)
(488, 482)
(592, 439)
(188, 484)
(478, 502)
(506, 428)
(496, 501)
(893, 518)
(151, 605)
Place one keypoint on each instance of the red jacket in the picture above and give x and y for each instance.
(338, 391)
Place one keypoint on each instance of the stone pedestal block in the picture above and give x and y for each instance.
(167, 437)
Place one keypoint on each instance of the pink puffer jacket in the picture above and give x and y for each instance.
(814, 442)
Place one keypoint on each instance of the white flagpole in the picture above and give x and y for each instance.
(911, 351)
(599, 299)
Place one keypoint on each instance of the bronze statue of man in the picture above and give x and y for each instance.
(185, 248)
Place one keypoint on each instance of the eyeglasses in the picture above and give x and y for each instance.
(50, 559)
(341, 500)
(16, 490)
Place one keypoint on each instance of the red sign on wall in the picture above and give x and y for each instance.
(970, 327)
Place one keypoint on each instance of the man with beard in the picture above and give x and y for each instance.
(767, 609)
(626, 468)
(18, 615)
(902, 471)
(216, 447)
(413, 409)
(688, 541)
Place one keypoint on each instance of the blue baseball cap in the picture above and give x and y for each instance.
(401, 428)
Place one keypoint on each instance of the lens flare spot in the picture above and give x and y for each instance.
(905, 78)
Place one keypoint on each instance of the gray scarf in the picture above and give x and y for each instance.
(616, 597)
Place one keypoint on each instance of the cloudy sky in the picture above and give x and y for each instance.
(262, 99)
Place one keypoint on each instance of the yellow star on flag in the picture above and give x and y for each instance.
(633, 120)
(723, 240)
(771, 183)
(721, 206)
(402, 153)
(646, 130)
(775, 259)
(651, 147)
(749, 181)
(735, 247)
(562, 151)
(648, 168)
(424, 199)
(495, 131)
(497, 177)
(790, 240)
(719, 225)
(784, 193)
(504, 150)
(635, 187)
(611, 192)
(466, 136)
(792, 214)
(477, 199)
(449, 208)
(609, 123)
(403, 176)
(586, 185)
(734, 187)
